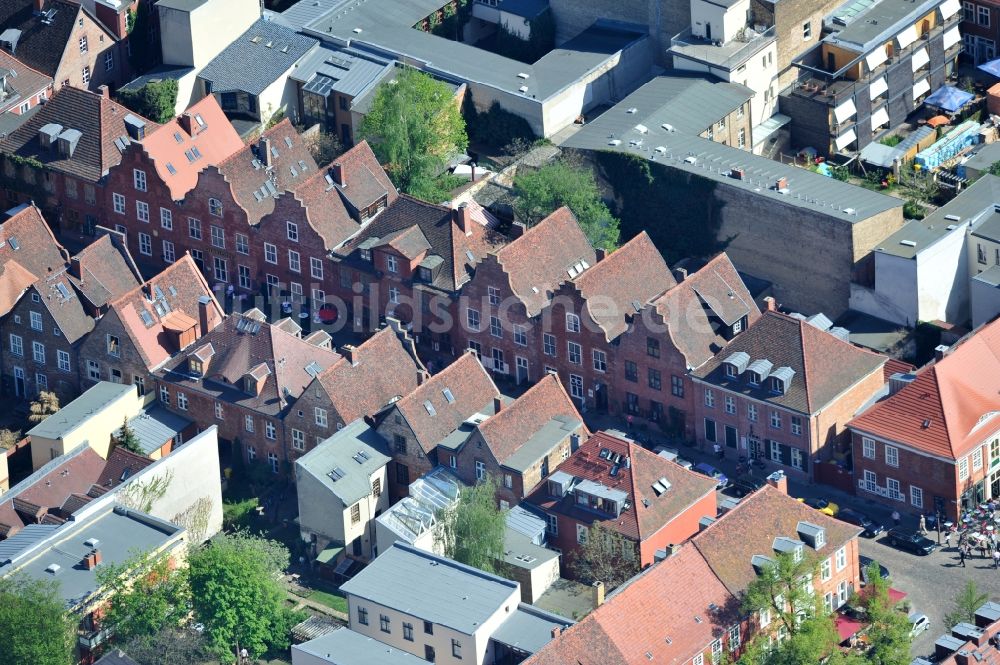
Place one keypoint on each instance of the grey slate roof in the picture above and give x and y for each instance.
(341, 454)
(155, 426)
(346, 647)
(116, 657)
(183, 5)
(343, 72)
(432, 588)
(990, 276)
(529, 628)
(525, 8)
(75, 414)
(257, 58)
(705, 158)
(541, 442)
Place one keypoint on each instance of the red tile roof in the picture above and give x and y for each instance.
(26, 82)
(122, 464)
(104, 271)
(325, 210)
(714, 292)
(27, 248)
(14, 281)
(896, 366)
(667, 615)
(471, 388)
(649, 512)
(538, 262)
(944, 411)
(365, 181)
(621, 284)
(172, 144)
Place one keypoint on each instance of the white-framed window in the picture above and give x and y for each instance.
(391, 263)
(218, 237)
(272, 461)
(709, 398)
(520, 335)
(868, 448)
(716, 652)
(581, 534)
(36, 320)
(118, 203)
(251, 453)
(292, 231)
(248, 423)
(166, 219)
(775, 451)
(221, 268)
(699, 659)
(734, 637)
(797, 458)
(775, 420)
(549, 344)
(741, 138)
(85, 75)
(796, 425)
(194, 228)
(472, 318)
(242, 243)
(215, 207)
(243, 275)
(600, 361)
(764, 617)
(730, 404)
(841, 559)
(320, 416)
(969, 11)
(315, 267)
(38, 352)
(294, 261)
(164, 391)
(109, 60)
(977, 459)
(892, 455)
(916, 496)
(825, 570)
(269, 429)
(963, 468)
(394, 295)
(983, 18)
(145, 244)
(494, 295)
(576, 386)
(807, 30)
(62, 360)
(41, 381)
(870, 481)
(83, 44)
(139, 179)
(182, 401)
(575, 352)
(752, 412)
(298, 439)
(168, 252)
(496, 330)
(480, 470)
(572, 322)
(270, 253)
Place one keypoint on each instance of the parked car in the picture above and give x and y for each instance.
(712, 472)
(865, 563)
(911, 541)
(672, 455)
(743, 485)
(918, 623)
(851, 516)
(822, 505)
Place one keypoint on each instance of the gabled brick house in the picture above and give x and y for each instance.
(438, 409)
(62, 155)
(24, 88)
(612, 480)
(28, 251)
(933, 444)
(147, 326)
(784, 391)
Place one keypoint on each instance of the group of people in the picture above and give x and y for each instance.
(987, 544)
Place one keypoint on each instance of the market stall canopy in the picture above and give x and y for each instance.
(848, 627)
(938, 121)
(949, 98)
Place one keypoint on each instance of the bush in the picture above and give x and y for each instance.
(891, 141)
(155, 100)
(913, 210)
(239, 514)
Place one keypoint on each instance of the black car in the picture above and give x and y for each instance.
(744, 485)
(865, 563)
(871, 527)
(911, 541)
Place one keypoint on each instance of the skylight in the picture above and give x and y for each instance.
(430, 408)
(448, 396)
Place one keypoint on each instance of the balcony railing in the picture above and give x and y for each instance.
(728, 55)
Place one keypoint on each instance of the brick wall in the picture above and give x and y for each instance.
(679, 529)
(65, 383)
(416, 462)
(99, 42)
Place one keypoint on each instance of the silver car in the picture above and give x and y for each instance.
(918, 623)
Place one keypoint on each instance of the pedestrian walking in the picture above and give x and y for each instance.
(895, 517)
(923, 524)
(961, 556)
(947, 539)
(717, 449)
(996, 559)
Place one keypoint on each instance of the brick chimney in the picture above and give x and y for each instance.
(680, 274)
(104, 91)
(597, 595)
(463, 217)
(186, 122)
(555, 631)
(207, 316)
(497, 404)
(265, 151)
(600, 253)
(97, 557)
(337, 173)
(350, 352)
(779, 481)
(39, 4)
(516, 230)
(74, 267)
(770, 304)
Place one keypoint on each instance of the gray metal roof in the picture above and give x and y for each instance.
(597, 489)
(432, 588)
(346, 647)
(155, 425)
(29, 536)
(528, 628)
(341, 71)
(120, 532)
(183, 5)
(257, 58)
(386, 28)
(983, 158)
(76, 413)
(345, 462)
(990, 276)
(525, 8)
(541, 443)
(527, 523)
(881, 21)
(161, 73)
(614, 130)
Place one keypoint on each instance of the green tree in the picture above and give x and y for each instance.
(156, 100)
(169, 646)
(145, 594)
(37, 628)
(9, 438)
(889, 629)
(605, 556)
(127, 438)
(472, 531)
(539, 192)
(964, 605)
(237, 595)
(994, 169)
(415, 126)
(44, 406)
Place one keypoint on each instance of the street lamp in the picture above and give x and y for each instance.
(937, 521)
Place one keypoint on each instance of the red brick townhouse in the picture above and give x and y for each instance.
(933, 444)
(686, 609)
(61, 157)
(63, 40)
(28, 251)
(441, 408)
(143, 329)
(784, 390)
(980, 30)
(24, 88)
(652, 502)
(52, 319)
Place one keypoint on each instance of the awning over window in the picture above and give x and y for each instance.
(952, 37)
(844, 111)
(907, 37)
(877, 87)
(876, 57)
(880, 118)
(949, 8)
(845, 139)
(920, 58)
(921, 88)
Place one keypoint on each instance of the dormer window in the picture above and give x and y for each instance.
(366, 255)
(797, 554)
(424, 274)
(780, 379)
(753, 378)
(777, 385)
(391, 263)
(249, 385)
(731, 371)
(194, 366)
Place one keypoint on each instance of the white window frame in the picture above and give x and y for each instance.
(270, 253)
(139, 179)
(118, 203)
(315, 267)
(182, 401)
(867, 448)
(841, 557)
(963, 468)
(298, 439)
(62, 360)
(892, 456)
(320, 416)
(248, 423)
(169, 255)
(916, 496)
(167, 219)
(572, 322)
(145, 244)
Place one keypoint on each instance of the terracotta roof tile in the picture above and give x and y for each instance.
(14, 281)
(103, 271)
(59, 296)
(896, 366)
(694, 309)
(823, 365)
(122, 464)
(325, 210)
(950, 395)
(538, 262)
(25, 84)
(27, 239)
(471, 389)
(364, 181)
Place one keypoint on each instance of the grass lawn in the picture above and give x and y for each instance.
(331, 600)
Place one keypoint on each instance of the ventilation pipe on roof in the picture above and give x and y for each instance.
(940, 351)
(598, 594)
(680, 274)
(497, 405)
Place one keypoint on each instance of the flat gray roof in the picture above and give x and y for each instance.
(541, 442)
(708, 159)
(76, 413)
(990, 276)
(345, 462)
(184, 5)
(346, 647)
(120, 532)
(520, 552)
(984, 157)
(432, 588)
(881, 21)
(386, 28)
(528, 628)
